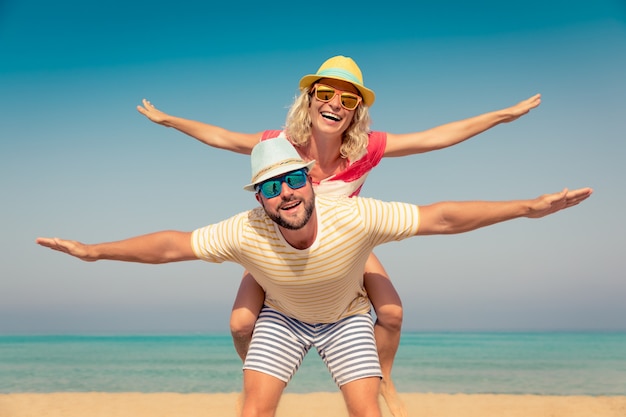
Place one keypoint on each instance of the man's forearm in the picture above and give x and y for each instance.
(154, 248)
(460, 217)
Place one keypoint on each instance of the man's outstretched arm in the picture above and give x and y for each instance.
(464, 216)
(153, 248)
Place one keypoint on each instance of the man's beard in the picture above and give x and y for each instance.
(295, 224)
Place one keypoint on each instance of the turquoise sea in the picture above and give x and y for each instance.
(512, 363)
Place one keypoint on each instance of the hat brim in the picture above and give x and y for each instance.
(282, 169)
(368, 95)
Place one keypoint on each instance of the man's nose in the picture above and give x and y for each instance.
(286, 189)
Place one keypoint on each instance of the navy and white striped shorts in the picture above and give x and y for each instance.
(347, 347)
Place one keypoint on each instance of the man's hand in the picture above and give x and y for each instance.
(71, 247)
(551, 203)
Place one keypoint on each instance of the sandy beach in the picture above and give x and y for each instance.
(303, 405)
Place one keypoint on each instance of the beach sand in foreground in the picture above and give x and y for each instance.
(303, 405)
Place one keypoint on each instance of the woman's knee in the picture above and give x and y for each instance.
(241, 323)
(390, 316)
(247, 306)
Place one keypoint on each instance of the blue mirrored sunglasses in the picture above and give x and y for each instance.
(272, 187)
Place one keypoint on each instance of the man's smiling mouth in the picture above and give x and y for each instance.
(291, 204)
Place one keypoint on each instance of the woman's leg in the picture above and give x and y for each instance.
(246, 309)
(387, 328)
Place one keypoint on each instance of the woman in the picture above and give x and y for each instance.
(329, 122)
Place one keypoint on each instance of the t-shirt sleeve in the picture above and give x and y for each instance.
(377, 142)
(218, 242)
(388, 221)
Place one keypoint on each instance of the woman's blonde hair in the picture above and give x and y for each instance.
(354, 140)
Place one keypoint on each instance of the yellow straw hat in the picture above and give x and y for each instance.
(341, 68)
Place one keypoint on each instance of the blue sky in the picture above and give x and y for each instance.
(78, 161)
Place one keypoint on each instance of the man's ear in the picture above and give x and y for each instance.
(258, 198)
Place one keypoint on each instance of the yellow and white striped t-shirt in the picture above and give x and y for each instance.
(320, 284)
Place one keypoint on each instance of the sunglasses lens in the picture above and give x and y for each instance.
(270, 189)
(295, 180)
(349, 101)
(324, 93)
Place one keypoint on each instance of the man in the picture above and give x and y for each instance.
(308, 255)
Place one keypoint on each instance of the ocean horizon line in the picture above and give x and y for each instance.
(226, 333)
(537, 363)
